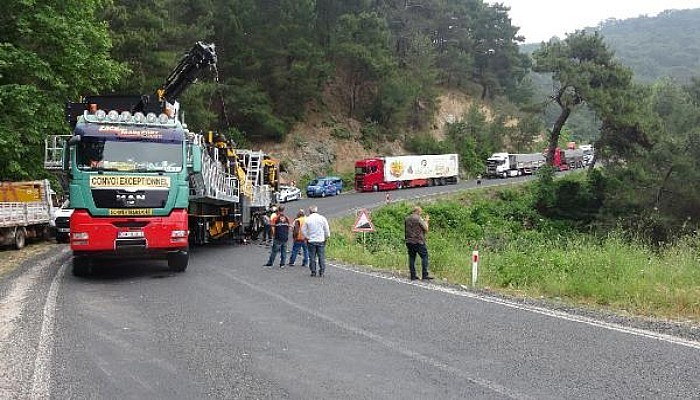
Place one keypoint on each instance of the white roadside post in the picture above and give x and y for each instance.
(475, 266)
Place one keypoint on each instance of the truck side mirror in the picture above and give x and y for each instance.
(65, 160)
(194, 158)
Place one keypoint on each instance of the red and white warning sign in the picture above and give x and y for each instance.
(363, 223)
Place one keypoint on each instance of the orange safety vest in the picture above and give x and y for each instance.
(298, 235)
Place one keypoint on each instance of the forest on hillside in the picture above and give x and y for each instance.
(384, 61)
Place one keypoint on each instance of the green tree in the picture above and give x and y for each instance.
(584, 71)
(362, 58)
(50, 51)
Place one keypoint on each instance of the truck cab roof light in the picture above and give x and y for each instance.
(113, 115)
(139, 117)
(125, 116)
(163, 118)
(151, 118)
(100, 115)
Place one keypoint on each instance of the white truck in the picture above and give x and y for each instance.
(26, 211)
(587, 153)
(504, 165)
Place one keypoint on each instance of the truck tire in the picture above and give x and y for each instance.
(375, 188)
(81, 266)
(177, 261)
(20, 238)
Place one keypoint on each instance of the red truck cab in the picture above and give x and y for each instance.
(369, 176)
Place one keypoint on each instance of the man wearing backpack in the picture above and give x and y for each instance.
(299, 240)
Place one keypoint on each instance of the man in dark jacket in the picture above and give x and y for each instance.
(415, 229)
(280, 233)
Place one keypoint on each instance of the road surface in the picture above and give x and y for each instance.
(229, 328)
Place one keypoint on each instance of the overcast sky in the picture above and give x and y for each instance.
(541, 19)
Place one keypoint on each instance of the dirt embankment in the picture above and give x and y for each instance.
(11, 258)
(329, 142)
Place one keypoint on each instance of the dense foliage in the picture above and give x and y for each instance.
(384, 62)
(50, 51)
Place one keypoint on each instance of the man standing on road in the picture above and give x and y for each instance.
(299, 242)
(280, 234)
(316, 232)
(415, 229)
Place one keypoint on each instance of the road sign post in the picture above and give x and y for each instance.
(475, 266)
(363, 224)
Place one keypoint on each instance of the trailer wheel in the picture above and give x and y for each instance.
(81, 266)
(399, 185)
(20, 238)
(177, 261)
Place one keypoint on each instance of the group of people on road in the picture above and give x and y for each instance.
(311, 232)
(309, 236)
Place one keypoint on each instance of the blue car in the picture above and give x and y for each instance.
(324, 186)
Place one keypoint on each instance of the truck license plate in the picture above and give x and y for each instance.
(130, 234)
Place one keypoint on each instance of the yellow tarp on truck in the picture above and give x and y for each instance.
(23, 192)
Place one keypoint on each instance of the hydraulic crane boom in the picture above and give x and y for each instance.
(164, 100)
(190, 66)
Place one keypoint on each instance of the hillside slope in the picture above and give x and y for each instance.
(328, 142)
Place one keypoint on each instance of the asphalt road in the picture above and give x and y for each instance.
(230, 328)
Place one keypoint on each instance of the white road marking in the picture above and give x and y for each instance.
(42, 362)
(12, 344)
(537, 310)
(397, 347)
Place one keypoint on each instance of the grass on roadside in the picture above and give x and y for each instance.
(523, 255)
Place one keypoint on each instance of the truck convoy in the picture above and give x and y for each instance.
(504, 165)
(389, 173)
(26, 210)
(142, 185)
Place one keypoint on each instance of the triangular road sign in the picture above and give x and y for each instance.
(363, 223)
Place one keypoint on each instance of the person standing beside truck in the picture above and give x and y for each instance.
(316, 231)
(280, 234)
(415, 230)
(267, 230)
(299, 240)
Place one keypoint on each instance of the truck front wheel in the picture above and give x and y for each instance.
(177, 261)
(375, 188)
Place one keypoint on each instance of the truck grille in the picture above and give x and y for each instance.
(117, 198)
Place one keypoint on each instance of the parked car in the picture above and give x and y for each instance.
(62, 222)
(288, 193)
(324, 186)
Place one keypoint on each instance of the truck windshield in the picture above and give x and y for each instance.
(492, 161)
(93, 154)
(360, 170)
